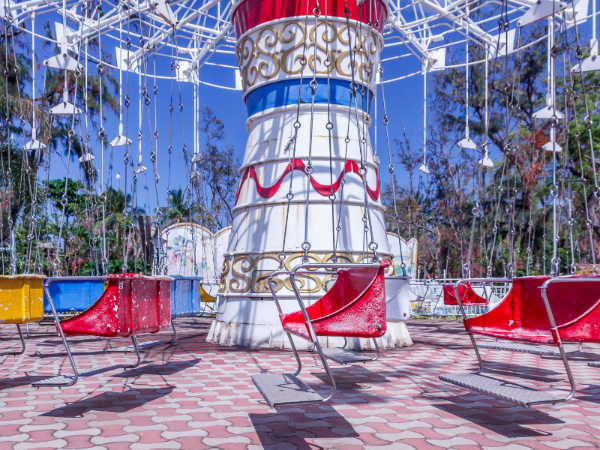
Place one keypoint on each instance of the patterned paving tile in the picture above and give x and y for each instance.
(194, 395)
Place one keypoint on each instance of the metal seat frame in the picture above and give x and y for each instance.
(23, 344)
(554, 330)
(76, 373)
(310, 269)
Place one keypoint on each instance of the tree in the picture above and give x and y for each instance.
(218, 172)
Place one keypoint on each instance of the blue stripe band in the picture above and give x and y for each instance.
(284, 93)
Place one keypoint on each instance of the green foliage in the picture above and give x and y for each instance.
(72, 201)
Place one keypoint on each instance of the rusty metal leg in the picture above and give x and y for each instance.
(378, 351)
(297, 372)
(136, 346)
(172, 341)
(23, 346)
(64, 381)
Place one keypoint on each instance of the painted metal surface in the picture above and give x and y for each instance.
(21, 299)
(252, 13)
(131, 304)
(205, 297)
(260, 66)
(323, 189)
(353, 307)
(467, 295)
(286, 93)
(73, 296)
(397, 298)
(522, 316)
(185, 296)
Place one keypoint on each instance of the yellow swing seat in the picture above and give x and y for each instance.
(21, 299)
(205, 297)
(208, 309)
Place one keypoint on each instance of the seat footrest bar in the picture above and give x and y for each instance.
(525, 348)
(344, 356)
(284, 389)
(130, 349)
(65, 379)
(502, 390)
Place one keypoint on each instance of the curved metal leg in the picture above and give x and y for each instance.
(297, 372)
(378, 351)
(325, 365)
(73, 380)
(172, 341)
(477, 353)
(23, 345)
(136, 346)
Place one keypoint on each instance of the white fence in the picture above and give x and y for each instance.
(427, 298)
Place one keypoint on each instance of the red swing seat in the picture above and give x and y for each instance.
(131, 304)
(522, 315)
(353, 307)
(467, 295)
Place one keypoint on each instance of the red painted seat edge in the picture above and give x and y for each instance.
(583, 328)
(113, 331)
(586, 328)
(294, 322)
(297, 316)
(470, 298)
(493, 323)
(297, 329)
(138, 276)
(353, 302)
(113, 322)
(521, 337)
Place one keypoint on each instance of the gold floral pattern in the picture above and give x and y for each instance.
(247, 277)
(276, 50)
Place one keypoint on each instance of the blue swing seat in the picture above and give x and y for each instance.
(185, 296)
(73, 296)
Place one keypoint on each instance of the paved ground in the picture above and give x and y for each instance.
(194, 395)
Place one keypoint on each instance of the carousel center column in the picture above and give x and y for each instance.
(297, 76)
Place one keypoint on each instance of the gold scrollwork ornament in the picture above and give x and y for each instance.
(246, 265)
(223, 280)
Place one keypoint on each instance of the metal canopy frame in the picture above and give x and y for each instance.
(196, 30)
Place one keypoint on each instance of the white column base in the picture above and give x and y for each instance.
(233, 328)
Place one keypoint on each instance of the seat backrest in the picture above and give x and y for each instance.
(21, 298)
(523, 312)
(205, 296)
(185, 296)
(131, 304)
(449, 297)
(73, 295)
(181, 297)
(567, 300)
(467, 295)
(150, 303)
(350, 285)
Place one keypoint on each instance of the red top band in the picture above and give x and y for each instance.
(251, 13)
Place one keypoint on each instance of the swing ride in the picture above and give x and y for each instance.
(308, 264)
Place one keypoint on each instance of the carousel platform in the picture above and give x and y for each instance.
(196, 395)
